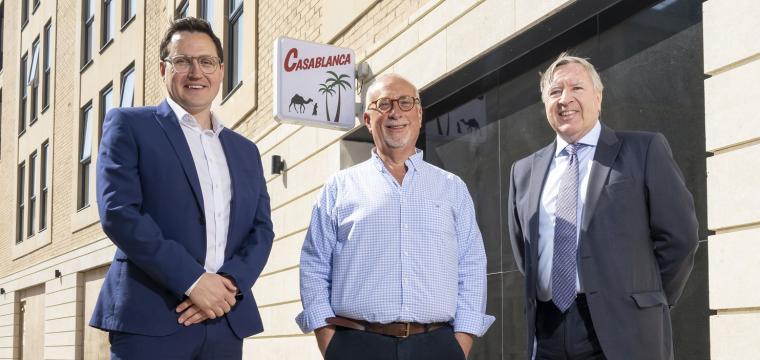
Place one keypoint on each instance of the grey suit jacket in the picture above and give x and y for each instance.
(637, 242)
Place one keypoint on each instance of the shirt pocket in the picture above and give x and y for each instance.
(438, 220)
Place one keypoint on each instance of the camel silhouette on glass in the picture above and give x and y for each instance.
(298, 103)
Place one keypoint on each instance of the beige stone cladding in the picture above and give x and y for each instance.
(732, 131)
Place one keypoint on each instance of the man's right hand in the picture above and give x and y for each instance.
(214, 295)
(324, 336)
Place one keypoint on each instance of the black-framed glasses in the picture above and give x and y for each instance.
(385, 104)
(182, 63)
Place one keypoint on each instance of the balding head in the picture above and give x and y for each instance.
(385, 80)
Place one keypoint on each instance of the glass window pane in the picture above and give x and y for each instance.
(32, 75)
(239, 50)
(128, 89)
(48, 47)
(207, 11)
(86, 134)
(234, 4)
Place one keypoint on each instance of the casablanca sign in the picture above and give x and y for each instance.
(313, 84)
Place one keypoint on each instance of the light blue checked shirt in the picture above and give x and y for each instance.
(383, 252)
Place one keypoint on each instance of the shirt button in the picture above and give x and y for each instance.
(406, 253)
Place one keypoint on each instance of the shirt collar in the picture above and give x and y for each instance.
(412, 162)
(591, 139)
(186, 119)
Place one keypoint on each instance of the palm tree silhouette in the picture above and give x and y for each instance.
(337, 81)
(326, 89)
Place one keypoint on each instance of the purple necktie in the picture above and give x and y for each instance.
(565, 233)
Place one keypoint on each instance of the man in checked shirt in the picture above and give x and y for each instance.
(393, 264)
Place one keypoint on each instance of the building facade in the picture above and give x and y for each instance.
(686, 68)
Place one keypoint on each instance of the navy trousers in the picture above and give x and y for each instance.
(349, 344)
(209, 340)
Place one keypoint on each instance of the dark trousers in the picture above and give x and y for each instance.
(209, 340)
(349, 344)
(568, 336)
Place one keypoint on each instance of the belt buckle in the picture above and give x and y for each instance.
(406, 330)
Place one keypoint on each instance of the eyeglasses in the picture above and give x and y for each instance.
(385, 104)
(182, 63)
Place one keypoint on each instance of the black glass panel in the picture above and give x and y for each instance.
(650, 61)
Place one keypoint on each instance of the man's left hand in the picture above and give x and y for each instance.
(465, 341)
(190, 313)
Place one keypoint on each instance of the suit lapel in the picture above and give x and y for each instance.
(169, 123)
(606, 151)
(232, 166)
(539, 169)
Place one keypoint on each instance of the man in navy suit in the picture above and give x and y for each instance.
(185, 201)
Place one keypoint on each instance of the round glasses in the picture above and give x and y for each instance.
(385, 104)
(182, 63)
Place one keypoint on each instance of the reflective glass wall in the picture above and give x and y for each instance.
(650, 59)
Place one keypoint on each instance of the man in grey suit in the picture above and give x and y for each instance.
(603, 228)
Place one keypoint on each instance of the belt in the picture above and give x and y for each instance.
(396, 329)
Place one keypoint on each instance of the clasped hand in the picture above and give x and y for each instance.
(212, 297)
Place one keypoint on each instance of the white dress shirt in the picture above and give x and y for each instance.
(214, 177)
(548, 205)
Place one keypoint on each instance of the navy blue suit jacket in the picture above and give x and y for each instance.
(151, 207)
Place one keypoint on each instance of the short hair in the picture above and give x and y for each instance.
(384, 79)
(189, 24)
(564, 59)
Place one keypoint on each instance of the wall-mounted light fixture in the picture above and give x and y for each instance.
(2, 291)
(57, 273)
(278, 164)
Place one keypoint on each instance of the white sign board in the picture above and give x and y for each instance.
(313, 84)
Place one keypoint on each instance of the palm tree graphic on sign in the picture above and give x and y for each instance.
(327, 90)
(336, 81)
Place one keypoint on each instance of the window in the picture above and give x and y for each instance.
(46, 65)
(108, 24)
(85, 152)
(235, 45)
(2, 30)
(22, 102)
(182, 10)
(33, 80)
(24, 12)
(44, 184)
(207, 11)
(106, 104)
(31, 201)
(20, 208)
(130, 11)
(128, 87)
(88, 19)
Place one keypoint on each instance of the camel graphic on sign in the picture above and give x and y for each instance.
(298, 103)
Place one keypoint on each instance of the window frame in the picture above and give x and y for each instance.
(20, 209)
(84, 162)
(88, 22)
(44, 170)
(234, 21)
(103, 110)
(33, 81)
(128, 12)
(128, 71)
(183, 8)
(24, 95)
(108, 23)
(32, 194)
(47, 64)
